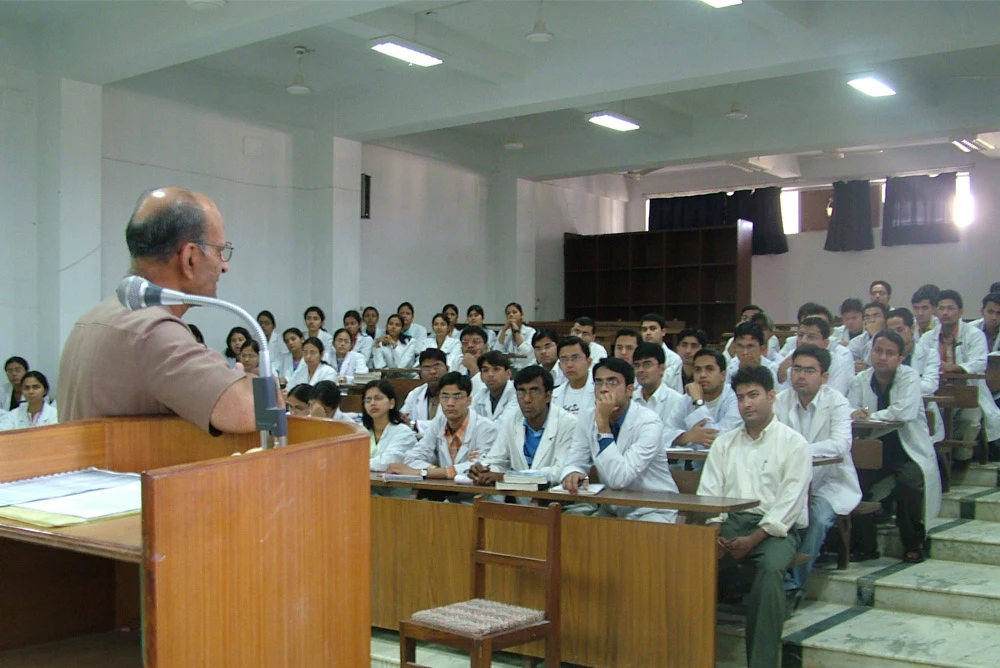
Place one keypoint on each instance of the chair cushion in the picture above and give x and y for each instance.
(478, 617)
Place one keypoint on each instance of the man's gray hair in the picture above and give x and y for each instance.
(177, 220)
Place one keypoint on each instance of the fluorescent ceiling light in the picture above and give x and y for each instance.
(871, 86)
(613, 121)
(404, 50)
(719, 4)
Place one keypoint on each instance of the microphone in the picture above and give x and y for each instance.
(135, 292)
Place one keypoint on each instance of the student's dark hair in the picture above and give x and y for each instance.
(443, 317)
(888, 288)
(879, 305)
(493, 358)
(851, 305)
(753, 375)
(762, 319)
(386, 388)
(694, 332)
(750, 329)
(993, 297)
(315, 341)
(904, 313)
(817, 322)
(821, 355)
(952, 295)
(927, 291)
(432, 354)
(303, 392)
(545, 333)
(994, 287)
(649, 351)
(229, 337)
(625, 331)
(750, 307)
(407, 304)
(317, 310)
(573, 341)
(198, 336)
(269, 315)
(654, 317)
(402, 336)
(459, 380)
(892, 336)
(353, 314)
(370, 308)
(250, 343)
(475, 308)
(812, 308)
(617, 365)
(520, 309)
(40, 377)
(450, 306)
(176, 220)
(327, 393)
(294, 330)
(529, 373)
(719, 358)
(340, 330)
(585, 321)
(474, 330)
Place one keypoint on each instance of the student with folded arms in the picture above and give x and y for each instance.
(515, 337)
(441, 338)
(395, 350)
(360, 342)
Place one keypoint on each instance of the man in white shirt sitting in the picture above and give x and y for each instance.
(624, 441)
(768, 461)
(925, 362)
(626, 341)
(584, 329)
(822, 415)
(652, 326)
(711, 406)
(475, 344)
(689, 341)
(924, 304)
(496, 400)
(852, 315)
(545, 343)
(421, 404)
(652, 393)
(577, 393)
(814, 330)
(749, 342)
(861, 345)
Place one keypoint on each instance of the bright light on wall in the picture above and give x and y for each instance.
(790, 211)
(963, 211)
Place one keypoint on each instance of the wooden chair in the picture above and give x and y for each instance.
(867, 455)
(950, 397)
(479, 626)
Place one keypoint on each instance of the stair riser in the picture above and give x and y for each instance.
(977, 477)
(988, 511)
(940, 604)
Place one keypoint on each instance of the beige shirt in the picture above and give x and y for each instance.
(120, 362)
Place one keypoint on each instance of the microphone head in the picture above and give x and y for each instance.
(135, 292)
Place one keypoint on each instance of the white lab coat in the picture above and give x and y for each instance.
(283, 367)
(507, 452)
(927, 363)
(829, 435)
(597, 352)
(667, 405)
(772, 352)
(557, 375)
(970, 354)
(574, 402)
(905, 405)
(396, 441)
(5, 391)
(841, 371)
(673, 374)
(506, 407)
(734, 366)
(452, 349)
(301, 375)
(417, 332)
(635, 461)
(19, 419)
(432, 450)
(352, 364)
(861, 347)
(415, 406)
(724, 416)
(511, 348)
(399, 355)
(365, 346)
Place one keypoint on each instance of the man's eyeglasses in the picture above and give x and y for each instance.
(225, 250)
(533, 392)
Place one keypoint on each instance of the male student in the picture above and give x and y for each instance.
(989, 322)
(890, 391)
(770, 349)
(924, 303)
(961, 348)
(584, 329)
(537, 439)
(861, 345)
(710, 408)
(450, 446)
(623, 440)
(822, 415)
(880, 291)
(545, 343)
(577, 393)
(809, 309)
(852, 315)
(925, 362)
(769, 461)
(421, 404)
(652, 326)
(746, 315)
(496, 399)
(814, 330)
(625, 343)
(652, 393)
(475, 344)
(689, 341)
(749, 342)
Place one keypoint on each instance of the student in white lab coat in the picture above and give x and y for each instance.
(861, 345)
(496, 400)
(652, 327)
(890, 391)
(652, 393)
(710, 408)
(389, 436)
(395, 350)
(989, 322)
(852, 317)
(411, 329)
(809, 309)
(345, 361)
(314, 368)
(924, 306)
(474, 345)
(475, 316)
(815, 330)
(10, 393)
(421, 405)
(371, 329)
(275, 345)
(585, 329)
(325, 402)
(360, 343)
(923, 361)
(250, 358)
(545, 344)
(315, 319)
(234, 343)
(441, 339)
(298, 398)
(576, 395)
(689, 341)
(286, 365)
(822, 415)
(450, 312)
(515, 337)
(749, 343)
(746, 315)
(34, 411)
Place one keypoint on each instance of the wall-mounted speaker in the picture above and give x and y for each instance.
(366, 196)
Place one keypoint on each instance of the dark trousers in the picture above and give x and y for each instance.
(907, 493)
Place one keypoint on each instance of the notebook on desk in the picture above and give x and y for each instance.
(592, 489)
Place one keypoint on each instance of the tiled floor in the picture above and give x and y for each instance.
(385, 654)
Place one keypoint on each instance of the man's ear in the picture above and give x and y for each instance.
(186, 259)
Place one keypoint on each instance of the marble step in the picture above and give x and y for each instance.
(827, 635)
(972, 503)
(950, 539)
(942, 588)
(979, 475)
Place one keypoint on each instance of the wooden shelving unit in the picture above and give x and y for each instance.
(701, 276)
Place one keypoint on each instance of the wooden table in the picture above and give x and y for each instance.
(872, 425)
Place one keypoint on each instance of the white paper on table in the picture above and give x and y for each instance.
(91, 505)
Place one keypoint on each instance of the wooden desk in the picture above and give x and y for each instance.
(872, 425)
(351, 402)
(993, 372)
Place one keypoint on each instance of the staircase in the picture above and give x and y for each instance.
(884, 613)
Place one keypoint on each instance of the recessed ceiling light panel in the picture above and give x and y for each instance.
(404, 50)
(613, 121)
(871, 86)
(719, 4)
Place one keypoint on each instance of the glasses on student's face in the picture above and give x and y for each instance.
(871, 317)
(533, 392)
(225, 250)
(607, 382)
(427, 368)
(645, 365)
(252, 357)
(572, 358)
(452, 396)
(805, 370)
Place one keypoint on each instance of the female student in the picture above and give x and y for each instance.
(477, 316)
(325, 402)
(275, 345)
(314, 319)
(234, 343)
(315, 369)
(389, 437)
(370, 316)
(515, 337)
(360, 342)
(410, 328)
(395, 350)
(450, 311)
(345, 361)
(34, 411)
(441, 339)
(10, 393)
(298, 400)
(286, 365)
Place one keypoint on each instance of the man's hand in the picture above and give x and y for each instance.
(402, 469)
(470, 362)
(861, 414)
(783, 369)
(860, 365)
(695, 391)
(741, 547)
(699, 434)
(948, 367)
(481, 475)
(574, 482)
(721, 547)
(604, 406)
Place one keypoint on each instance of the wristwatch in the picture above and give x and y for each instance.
(423, 473)
(698, 402)
(601, 436)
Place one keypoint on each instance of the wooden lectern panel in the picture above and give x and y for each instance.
(27, 453)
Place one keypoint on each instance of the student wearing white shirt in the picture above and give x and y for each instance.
(34, 411)
(360, 343)
(275, 346)
(749, 345)
(410, 328)
(924, 304)
(234, 344)
(474, 345)
(584, 328)
(545, 344)
(536, 438)
(496, 400)
(989, 322)
(771, 345)
(822, 415)
(771, 462)
(689, 341)
(371, 329)
(250, 358)
(925, 362)
(475, 316)
(421, 405)
(809, 309)
(814, 330)
(852, 316)
(624, 441)
(389, 436)
(314, 319)
(285, 365)
(652, 393)
(314, 369)
(577, 393)
(652, 327)
(880, 292)
(450, 312)
(861, 345)
(746, 315)
(15, 368)
(515, 337)
(325, 402)
(345, 361)
(395, 350)
(711, 407)
(625, 342)
(297, 401)
(441, 339)
(890, 391)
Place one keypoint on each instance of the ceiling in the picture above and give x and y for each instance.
(675, 65)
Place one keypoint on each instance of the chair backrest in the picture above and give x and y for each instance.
(550, 568)
(686, 481)
(966, 396)
(867, 453)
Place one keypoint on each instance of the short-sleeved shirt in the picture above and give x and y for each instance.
(119, 362)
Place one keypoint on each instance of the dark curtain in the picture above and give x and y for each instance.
(680, 213)
(918, 210)
(761, 206)
(850, 227)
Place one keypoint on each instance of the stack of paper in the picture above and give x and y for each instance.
(72, 497)
(527, 481)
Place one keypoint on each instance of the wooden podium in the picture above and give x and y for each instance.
(261, 560)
